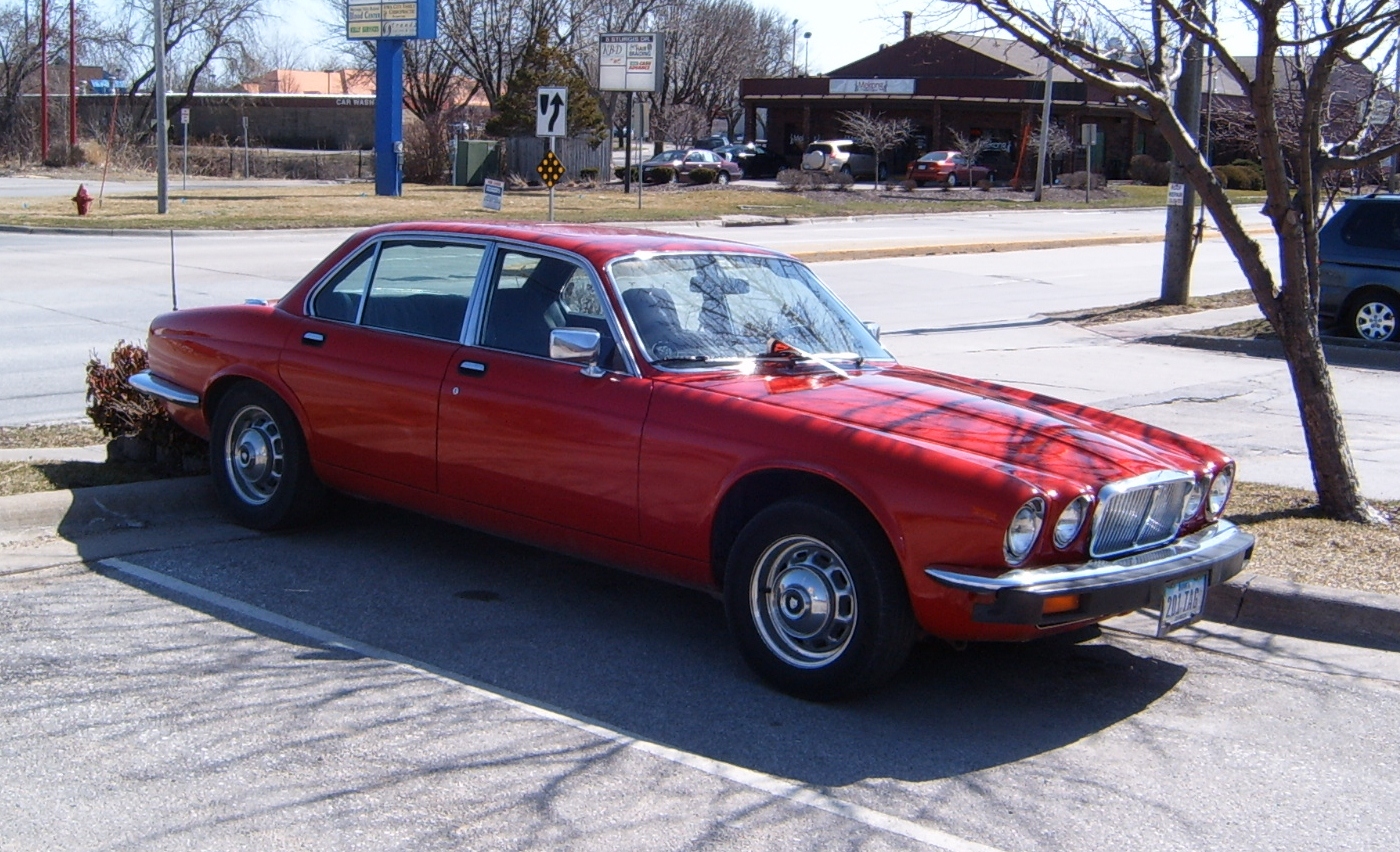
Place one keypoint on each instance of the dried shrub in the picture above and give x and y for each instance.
(1147, 170)
(704, 176)
(588, 174)
(799, 179)
(660, 174)
(1077, 180)
(120, 411)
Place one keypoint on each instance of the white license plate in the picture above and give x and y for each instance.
(1182, 603)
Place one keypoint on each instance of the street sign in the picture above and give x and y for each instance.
(1176, 195)
(550, 169)
(552, 111)
(492, 194)
(184, 115)
(630, 62)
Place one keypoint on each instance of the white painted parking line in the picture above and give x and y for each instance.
(770, 784)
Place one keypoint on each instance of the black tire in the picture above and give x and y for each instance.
(846, 169)
(1374, 318)
(258, 457)
(722, 178)
(816, 602)
(882, 172)
(952, 180)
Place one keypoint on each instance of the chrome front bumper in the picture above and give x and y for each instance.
(153, 385)
(1107, 586)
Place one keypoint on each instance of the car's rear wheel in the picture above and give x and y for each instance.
(816, 601)
(262, 472)
(1374, 317)
(952, 179)
(883, 172)
(722, 178)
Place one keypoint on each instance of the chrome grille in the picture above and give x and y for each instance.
(1141, 512)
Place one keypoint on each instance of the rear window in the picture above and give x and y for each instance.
(819, 148)
(1375, 225)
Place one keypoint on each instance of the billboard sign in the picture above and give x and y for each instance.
(630, 62)
(372, 19)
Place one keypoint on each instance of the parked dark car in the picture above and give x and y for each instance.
(754, 160)
(687, 160)
(1360, 275)
(710, 143)
(950, 168)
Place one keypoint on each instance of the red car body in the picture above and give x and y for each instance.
(950, 168)
(660, 462)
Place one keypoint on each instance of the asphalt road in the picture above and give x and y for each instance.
(386, 681)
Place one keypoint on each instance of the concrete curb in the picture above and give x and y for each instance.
(1343, 616)
(1339, 351)
(91, 511)
(1249, 601)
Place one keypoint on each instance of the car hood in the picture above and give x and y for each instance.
(1023, 434)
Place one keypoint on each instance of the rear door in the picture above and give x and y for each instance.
(368, 364)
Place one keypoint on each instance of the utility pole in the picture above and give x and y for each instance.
(158, 94)
(1181, 200)
(1043, 153)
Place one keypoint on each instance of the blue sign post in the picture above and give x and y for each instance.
(389, 25)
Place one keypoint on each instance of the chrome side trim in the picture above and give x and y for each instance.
(152, 385)
(1219, 542)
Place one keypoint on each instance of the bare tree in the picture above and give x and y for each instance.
(199, 36)
(19, 62)
(874, 129)
(1135, 52)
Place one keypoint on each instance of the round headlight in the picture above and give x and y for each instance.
(1024, 528)
(1071, 521)
(1220, 491)
(1192, 504)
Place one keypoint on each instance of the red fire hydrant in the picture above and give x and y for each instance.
(83, 200)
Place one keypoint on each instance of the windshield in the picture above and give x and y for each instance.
(693, 309)
(667, 155)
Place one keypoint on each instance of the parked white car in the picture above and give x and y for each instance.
(843, 155)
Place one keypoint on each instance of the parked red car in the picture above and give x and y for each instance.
(946, 167)
(702, 411)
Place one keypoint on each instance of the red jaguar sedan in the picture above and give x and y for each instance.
(949, 168)
(702, 411)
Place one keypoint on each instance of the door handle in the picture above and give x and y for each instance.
(471, 368)
(313, 338)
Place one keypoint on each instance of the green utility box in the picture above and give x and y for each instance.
(477, 160)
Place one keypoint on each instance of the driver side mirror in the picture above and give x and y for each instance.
(577, 346)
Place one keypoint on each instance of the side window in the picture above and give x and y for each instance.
(534, 295)
(339, 299)
(422, 287)
(1375, 225)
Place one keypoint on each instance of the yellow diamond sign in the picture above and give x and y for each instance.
(550, 169)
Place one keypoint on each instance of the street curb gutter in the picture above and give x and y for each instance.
(91, 511)
(1365, 619)
(1339, 353)
(1249, 601)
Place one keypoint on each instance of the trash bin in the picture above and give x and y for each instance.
(477, 160)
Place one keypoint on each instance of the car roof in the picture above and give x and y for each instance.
(599, 243)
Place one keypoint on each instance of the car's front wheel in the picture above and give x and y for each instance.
(816, 601)
(258, 457)
(1373, 319)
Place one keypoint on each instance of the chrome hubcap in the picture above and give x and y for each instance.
(803, 602)
(254, 455)
(1375, 321)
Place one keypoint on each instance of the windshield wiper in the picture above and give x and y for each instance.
(779, 349)
(692, 359)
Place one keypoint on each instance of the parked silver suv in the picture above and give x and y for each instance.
(842, 155)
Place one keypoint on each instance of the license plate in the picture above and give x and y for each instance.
(1182, 603)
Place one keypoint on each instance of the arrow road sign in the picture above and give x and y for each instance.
(552, 111)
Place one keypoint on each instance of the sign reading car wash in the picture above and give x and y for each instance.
(630, 62)
(366, 19)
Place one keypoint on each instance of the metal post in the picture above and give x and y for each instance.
(1395, 120)
(185, 157)
(551, 186)
(158, 94)
(72, 79)
(1088, 170)
(1044, 153)
(627, 150)
(246, 175)
(43, 80)
(388, 116)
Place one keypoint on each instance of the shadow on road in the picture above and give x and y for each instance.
(652, 659)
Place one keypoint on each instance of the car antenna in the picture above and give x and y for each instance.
(174, 299)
